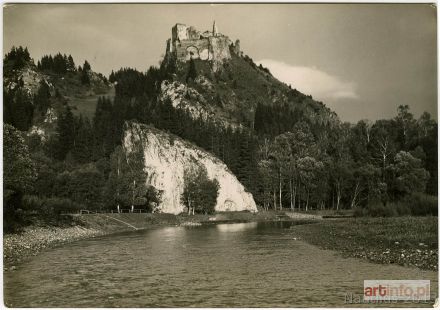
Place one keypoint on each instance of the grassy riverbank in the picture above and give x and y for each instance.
(407, 241)
(43, 233)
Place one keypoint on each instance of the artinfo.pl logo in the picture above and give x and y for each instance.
(388, 290)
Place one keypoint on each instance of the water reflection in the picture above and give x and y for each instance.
(235, 227)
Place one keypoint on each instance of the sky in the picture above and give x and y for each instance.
(360, 60)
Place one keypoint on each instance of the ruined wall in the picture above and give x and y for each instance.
(199, 48)
(179, 32)
(186, 43)
(220, 48)
(235, 48)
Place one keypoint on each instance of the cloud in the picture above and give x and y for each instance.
(311, 81)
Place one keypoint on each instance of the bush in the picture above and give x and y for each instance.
(61, 205)
(422, 204)
(400, 208)
(417, 204)
(50, 206)
(380, 210)
(31, 203)
(360, 212)
(13, 217)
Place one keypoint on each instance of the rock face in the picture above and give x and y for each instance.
(166, 159)
(30, 77)
(186, 98)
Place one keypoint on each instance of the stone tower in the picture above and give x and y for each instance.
(188, 43)
(214, 30)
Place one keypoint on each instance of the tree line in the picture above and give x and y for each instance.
(286, 159)
(386, 168)
(60, 64)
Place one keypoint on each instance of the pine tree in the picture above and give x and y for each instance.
(85, 78)
(71, 64)
(22, 111)
(42, 98)
(86, 66)
(106, 129)
(66, 134)
(83, 148)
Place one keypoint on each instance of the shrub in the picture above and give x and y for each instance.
(32, 203)
(422, 204)
(380, 210)
(13, 217)
(418, 204)
(359, 212)
(61, 205)
(400, 208)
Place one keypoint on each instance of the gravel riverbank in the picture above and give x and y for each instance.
(17, 247)
(406, 241)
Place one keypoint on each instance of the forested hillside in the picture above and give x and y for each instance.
(289, 150)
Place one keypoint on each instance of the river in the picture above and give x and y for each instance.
(224, 265)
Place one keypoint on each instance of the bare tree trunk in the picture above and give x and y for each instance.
(281, 202)
(294, 195)
(299, 196)
(355, 194)
(117, 186)
(333, 200)
(338, 195)
(307, 200)
(384, 150)
(274, 200)
(368, 195)
(291, 193)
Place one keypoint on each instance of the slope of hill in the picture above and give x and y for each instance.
(233, 89)
(234, 94)
(82, 98)
(35, 96)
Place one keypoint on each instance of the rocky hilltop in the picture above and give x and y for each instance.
(166, 158)
(211, 77)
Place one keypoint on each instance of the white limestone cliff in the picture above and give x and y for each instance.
(166, 159)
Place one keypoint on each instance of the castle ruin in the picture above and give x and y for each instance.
(187, 42)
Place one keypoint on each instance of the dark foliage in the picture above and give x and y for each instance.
(199, 193)
(60, 64)
(16, 59)
(18, 108)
